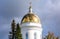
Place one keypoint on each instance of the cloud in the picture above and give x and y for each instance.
(4, 31)
(50, 13)
(47, 10)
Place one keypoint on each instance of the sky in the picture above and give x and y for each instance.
(47, 10)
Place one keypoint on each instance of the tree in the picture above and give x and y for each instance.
(18, 32)
(12, 33)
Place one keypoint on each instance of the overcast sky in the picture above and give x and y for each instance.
(47, 10)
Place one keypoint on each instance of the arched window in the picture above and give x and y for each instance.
(34, 35)
(26, 35)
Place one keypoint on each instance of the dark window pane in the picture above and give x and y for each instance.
(34, 35)
(26, 35)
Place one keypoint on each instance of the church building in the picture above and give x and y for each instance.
(30, 27)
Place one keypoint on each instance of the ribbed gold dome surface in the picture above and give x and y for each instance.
(30, 17)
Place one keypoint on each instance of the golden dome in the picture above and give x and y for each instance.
(30, 17)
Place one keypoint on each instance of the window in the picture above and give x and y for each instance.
(26, 35)
(34, 35)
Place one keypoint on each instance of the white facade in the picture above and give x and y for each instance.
(34, 30)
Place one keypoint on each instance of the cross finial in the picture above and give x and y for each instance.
(30, 8)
